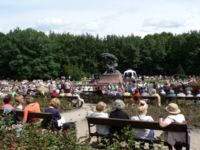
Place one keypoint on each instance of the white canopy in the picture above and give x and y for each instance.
(130, 73)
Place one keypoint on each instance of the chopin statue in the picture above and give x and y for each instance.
(111, 63)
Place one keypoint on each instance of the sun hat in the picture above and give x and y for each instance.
(119, 104)
(172, 108)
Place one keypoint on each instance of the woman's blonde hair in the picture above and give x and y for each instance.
(19, 99)
(101, 106)
(55, 102)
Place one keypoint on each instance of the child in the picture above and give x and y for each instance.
(7, 104)
(19, 100)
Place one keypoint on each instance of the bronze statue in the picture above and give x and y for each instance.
(111, 63)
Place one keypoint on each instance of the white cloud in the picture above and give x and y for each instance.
(101, 16)
(163, 24)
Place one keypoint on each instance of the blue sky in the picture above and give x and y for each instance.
(102, 17)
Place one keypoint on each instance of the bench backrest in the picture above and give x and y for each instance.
(137, 124)
(31, 115)
(68, 97)
(185, 97)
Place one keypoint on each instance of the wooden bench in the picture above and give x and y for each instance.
(150, 99)
(180, 98)
(139, 125)
(40, 115)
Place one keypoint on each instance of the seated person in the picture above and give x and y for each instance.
(62, 93)
(7, 107)
(126, 93)
(118, 113)
(181, 93)
(198, 94)
(136, 96)
(189, 94)
(145, 92)
(177, 117)
(142, 116)
(33, 106)
(19, 101)
(171, 94)
(100, 113)
(155, 94)
(53, 110)
(54, 94)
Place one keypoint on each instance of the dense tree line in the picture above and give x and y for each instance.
(29, 54)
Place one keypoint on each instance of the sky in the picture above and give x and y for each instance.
(102, 17)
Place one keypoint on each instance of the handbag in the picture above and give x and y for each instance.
(61, 122)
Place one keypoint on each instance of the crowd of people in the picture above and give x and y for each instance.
(23, 93)
(63, 87)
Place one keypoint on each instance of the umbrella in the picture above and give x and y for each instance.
(42, 90)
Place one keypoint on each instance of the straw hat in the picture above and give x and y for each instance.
(173, 108)
(42, 89)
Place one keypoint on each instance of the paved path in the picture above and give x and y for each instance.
(78, 116)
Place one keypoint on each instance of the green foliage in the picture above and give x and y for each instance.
(29, 54)
(180, 71)
(75, 72)
(32, 137)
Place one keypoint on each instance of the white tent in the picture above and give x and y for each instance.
(130, 74)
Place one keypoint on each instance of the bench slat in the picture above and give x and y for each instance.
(137, 124)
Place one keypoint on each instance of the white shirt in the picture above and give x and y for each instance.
(181, 95)
(173, 137)
(142, 133)
(101, 129)
(19, 107)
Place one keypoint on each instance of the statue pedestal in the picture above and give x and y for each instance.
(110, 78)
